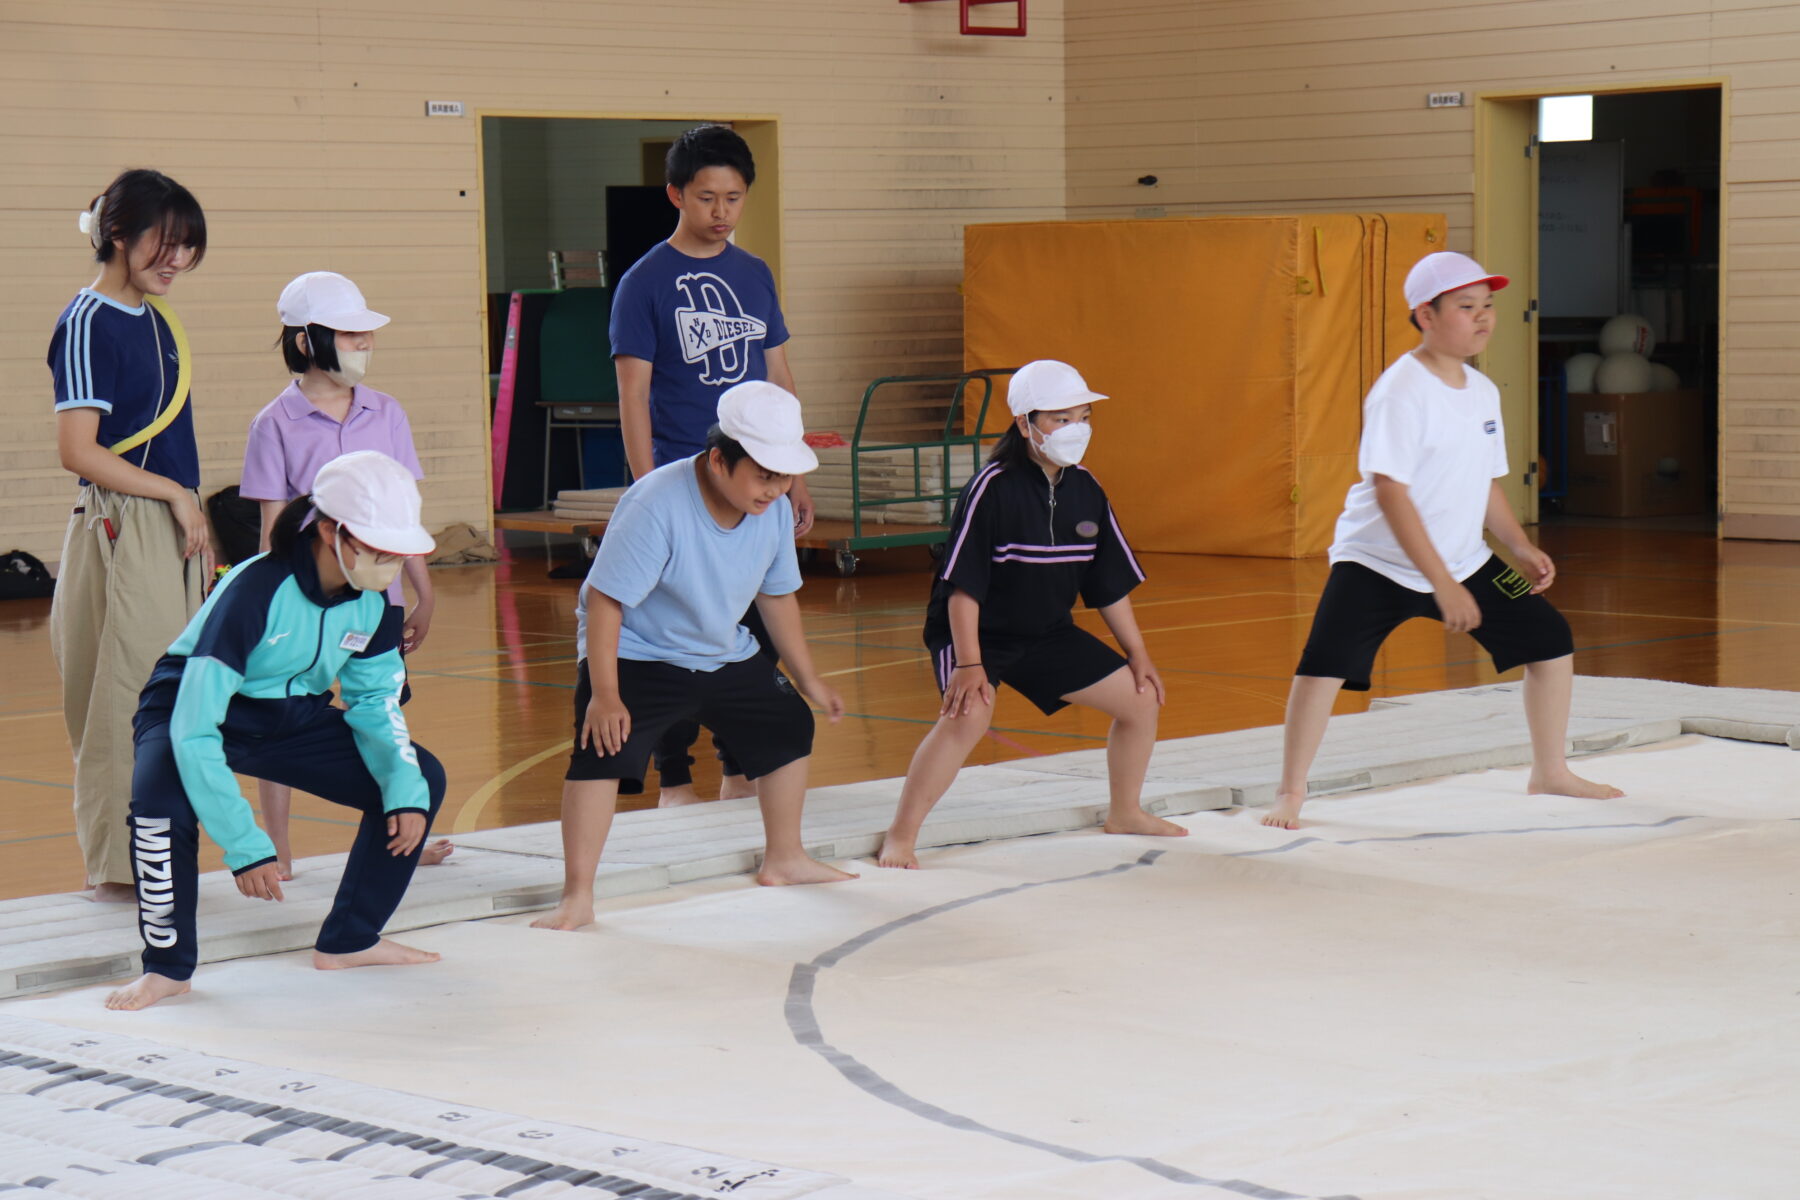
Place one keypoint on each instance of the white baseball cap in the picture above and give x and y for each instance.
(765, 420)
(1047, 386)
(376, 499)
(1445, 271)
(327, 298)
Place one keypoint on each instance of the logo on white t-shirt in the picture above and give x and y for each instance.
(714, 328)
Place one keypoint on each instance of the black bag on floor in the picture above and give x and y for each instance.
(24, 576)
(236, 523)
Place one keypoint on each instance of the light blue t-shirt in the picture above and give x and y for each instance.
(685, 582)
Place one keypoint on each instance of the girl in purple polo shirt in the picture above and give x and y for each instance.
(328, 333)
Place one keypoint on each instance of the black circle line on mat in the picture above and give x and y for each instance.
(803, 1021)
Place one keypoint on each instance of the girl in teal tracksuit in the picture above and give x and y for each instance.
(246, 688)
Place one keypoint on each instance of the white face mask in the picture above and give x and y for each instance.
(352, 366)
(1066, 445)
(366, 574)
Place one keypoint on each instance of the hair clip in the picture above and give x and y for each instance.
(89, 222)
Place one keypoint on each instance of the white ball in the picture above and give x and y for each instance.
(1578, 372)
(1663, 378)
(1627, 333)
(1623, 373)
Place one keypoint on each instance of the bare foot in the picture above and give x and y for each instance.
(799, 869)
(897, 852)
(284, 870)
(736, 787)
(675, 797)
(1570, 784)
(144, 991)
(1141, 822)
(382, 954)
(112, 893)
(437, 852)
(570, 914)
(1286, 813)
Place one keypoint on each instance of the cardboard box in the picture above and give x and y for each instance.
(1637, 455)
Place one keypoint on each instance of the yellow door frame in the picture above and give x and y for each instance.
(760, 231)
(1506, 242)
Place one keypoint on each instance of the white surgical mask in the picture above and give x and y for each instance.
(352, 366)
(367, 574)
(1066, 445)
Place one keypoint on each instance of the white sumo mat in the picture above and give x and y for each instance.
(108, 1115)
(1447, 989)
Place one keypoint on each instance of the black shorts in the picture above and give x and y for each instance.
(1361, 607)
(1043, 668)
(750, 704)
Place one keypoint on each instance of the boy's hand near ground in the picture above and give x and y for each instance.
(261, 883)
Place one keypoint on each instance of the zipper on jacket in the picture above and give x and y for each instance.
(1052, 511)
(318, 649)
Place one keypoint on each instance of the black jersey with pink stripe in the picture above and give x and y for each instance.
(1026, 549)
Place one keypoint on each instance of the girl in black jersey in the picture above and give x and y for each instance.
(1033, 532)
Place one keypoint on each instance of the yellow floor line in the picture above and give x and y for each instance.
(469, 816)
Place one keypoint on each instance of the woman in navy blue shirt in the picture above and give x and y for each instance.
(135, 558)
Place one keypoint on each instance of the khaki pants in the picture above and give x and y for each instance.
(121, 599)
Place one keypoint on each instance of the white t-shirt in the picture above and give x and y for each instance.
(1446, 445)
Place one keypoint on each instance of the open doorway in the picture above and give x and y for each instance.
(1628, 294)
(1612, 236)
(569, 203)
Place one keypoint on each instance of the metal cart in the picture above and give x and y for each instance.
(846, 538)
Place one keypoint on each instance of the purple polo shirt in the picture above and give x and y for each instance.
(291, 439)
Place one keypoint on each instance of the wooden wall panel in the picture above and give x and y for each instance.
(1265, 105)
(300, 127)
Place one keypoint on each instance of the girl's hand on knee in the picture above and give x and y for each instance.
(261, 883)
(1143, 673)
(969, 688)
(405, 831)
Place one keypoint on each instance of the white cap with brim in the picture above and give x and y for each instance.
(327, 298)
(1446, 271)
(376, 499)
(765, 420)
(1047, 385)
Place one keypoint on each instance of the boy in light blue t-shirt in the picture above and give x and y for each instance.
(689, 549)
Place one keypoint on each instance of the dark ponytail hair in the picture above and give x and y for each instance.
(284, 535)
(322, 343)
(1013, 449)
(141, 200)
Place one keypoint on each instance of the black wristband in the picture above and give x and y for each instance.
(960, 666)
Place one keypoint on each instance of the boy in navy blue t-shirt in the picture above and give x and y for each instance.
(691, 318)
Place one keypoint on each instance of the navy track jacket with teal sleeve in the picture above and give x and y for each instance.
(260, 656)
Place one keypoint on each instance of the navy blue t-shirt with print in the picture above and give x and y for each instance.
(123, 362)
(703, 325)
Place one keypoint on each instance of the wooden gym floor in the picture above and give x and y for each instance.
(493, 684)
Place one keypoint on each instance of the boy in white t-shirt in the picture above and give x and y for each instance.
(1410, 544)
